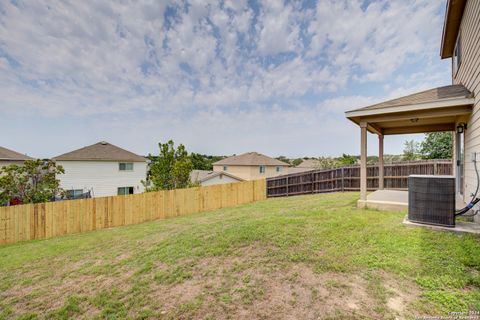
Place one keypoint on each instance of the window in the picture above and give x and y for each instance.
(74, 193)
(279, 169)
(262, 169)
(225, 168)
(457, 55)
(125, 166)
(125, 190)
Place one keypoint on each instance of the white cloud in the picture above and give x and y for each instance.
(278, 29)
(222, 68)
(378, 39)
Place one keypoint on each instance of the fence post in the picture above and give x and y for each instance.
(311, 179)
(342, 180)
(349, 177)
(266, 188)
(287, 186)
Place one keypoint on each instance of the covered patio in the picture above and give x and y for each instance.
(440, 109)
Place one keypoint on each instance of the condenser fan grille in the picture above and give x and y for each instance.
(431, 200)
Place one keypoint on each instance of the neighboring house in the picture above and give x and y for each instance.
(309, 164)
(454, 108)
(208, 178)
(8, 157)
(305, 165)
(251, 166)
(103, 169)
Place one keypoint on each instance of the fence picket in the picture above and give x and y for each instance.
(45, 220)
(348, 178)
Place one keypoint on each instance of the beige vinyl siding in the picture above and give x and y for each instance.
(243, 172)
(469, 75)
(104, 177)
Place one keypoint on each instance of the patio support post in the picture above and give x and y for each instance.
(363, 161)
(380, 162)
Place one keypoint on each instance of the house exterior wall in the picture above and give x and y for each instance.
(4, 163)
(468, 74)
(103, 177)
(252, 172)
(243, 172)
(220, 179)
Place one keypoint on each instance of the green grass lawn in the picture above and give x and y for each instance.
(305, 257)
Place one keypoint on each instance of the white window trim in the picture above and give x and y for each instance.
(126, 170)
(457, 56)
(125, 194)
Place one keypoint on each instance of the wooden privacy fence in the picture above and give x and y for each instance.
(46, 220)
(348, 178)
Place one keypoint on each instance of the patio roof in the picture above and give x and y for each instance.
(432, 110)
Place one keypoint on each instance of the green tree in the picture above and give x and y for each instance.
(327, 163)
(203, 161)
(296, 162)
(437, 145)
(33, 182)
(171, 169)
(213, 159)
(347, 159)
(411, 150)
(200, 162)
(372, 159)
(283, 159)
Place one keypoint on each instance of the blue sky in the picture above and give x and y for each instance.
(221, 77)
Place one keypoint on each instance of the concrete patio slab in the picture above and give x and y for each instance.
(393, 200)
(389, 200)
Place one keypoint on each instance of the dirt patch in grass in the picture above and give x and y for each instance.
(51, 293)
(248, 287)
(250, 284)
(401, 294)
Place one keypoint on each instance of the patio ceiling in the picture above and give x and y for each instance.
(433, 110)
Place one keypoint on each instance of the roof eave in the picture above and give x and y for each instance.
(220, 173)
(101, 160)
(252, 164)
(444, 103)
(451, 25)
(12, 159)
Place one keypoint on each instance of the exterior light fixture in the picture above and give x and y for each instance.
(461, 127)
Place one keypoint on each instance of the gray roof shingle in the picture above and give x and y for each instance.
(101, 151)
(10, 155)
(309, 163)
(250, 159)
(431, 95)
